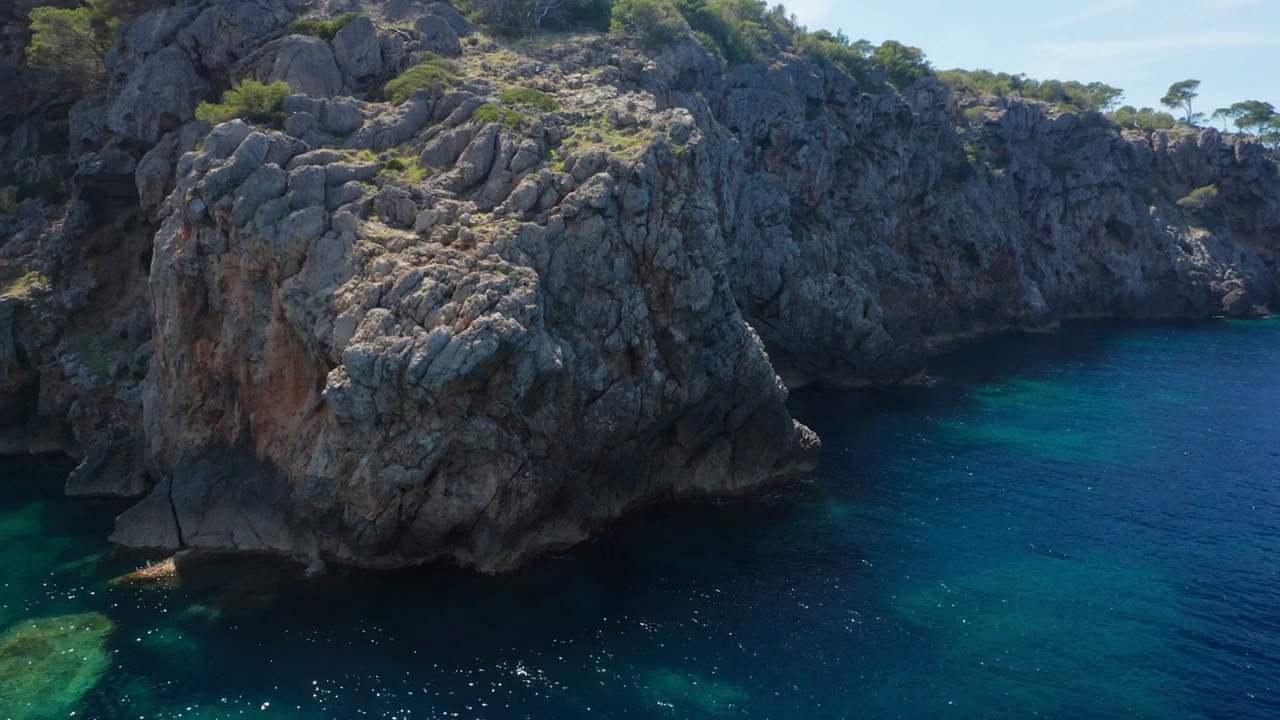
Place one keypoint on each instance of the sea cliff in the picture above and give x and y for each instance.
(572, 277)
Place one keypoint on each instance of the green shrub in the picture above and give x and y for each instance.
(712, 47)
(323, 29)
(658, 21)
(849, 56)
(739, 28)
(430, 72)
(71, 43)
(1200, 198)
(251, 100)
(903, 64)
(528, 96)
(976, 154)
(490, 113)
(590, 13)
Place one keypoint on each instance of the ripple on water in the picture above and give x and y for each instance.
(1050, 636)
(1074, 525)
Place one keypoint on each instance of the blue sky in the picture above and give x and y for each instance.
(1141, 46)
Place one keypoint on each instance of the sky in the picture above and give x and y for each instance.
(1140, 46)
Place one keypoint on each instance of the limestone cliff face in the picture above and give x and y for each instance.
(865, 230)
(332, 385)
(460, 330)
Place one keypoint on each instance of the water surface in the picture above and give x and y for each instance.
(1075, 525)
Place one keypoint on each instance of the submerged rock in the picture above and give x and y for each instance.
(48, 665)
(683, 695)
(163, 573)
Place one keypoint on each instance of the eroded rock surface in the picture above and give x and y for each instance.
(480, 392)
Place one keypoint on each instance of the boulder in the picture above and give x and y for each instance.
(438, 36)
(358, 51)
(148, 34)
(450, 15)
(159, 97)
(399, 11)
(228, 31)
(337, 116)
(307, 65)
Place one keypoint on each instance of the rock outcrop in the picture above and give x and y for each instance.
(387, 397)
(471, 330)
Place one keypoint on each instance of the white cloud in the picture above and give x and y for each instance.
(814, 13)
(1233, 4)
(1140, 47)
(1101, 9)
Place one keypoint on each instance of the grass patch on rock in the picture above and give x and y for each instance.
(490, 113)
(405, 170)
(597, 133)
(530, 97)
(24, 285)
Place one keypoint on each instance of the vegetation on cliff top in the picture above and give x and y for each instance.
(1179, 97)
(1094, 96)
(1255, 117)
(1145, 119)
(70, 44)
(740, 31)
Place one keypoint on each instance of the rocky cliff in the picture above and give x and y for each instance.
(479, 323)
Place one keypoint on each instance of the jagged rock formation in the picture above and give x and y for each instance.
(467, 330)
(386, 396)
(889, 224)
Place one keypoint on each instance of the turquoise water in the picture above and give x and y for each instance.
(1078, 525)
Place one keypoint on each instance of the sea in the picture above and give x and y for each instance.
(1083, 524)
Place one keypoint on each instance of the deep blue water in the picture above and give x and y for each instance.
(1084, 524)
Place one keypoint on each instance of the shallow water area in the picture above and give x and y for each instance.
(1073, 525)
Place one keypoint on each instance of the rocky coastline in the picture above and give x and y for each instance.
(462, 328)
